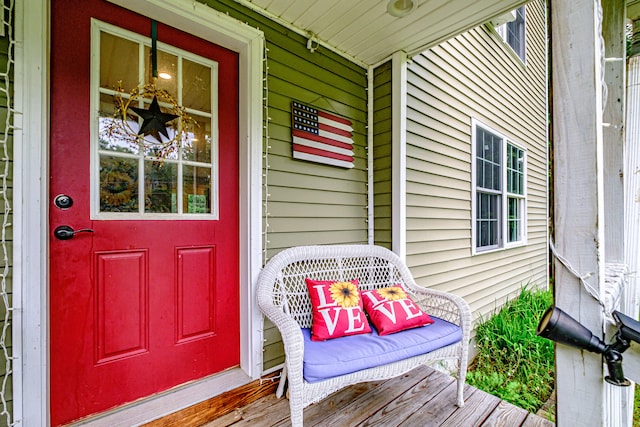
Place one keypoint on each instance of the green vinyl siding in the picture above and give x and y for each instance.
(474, 76)
(382, 155)
(307, 203)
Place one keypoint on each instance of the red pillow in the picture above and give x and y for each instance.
(337, 309)
(392, 310)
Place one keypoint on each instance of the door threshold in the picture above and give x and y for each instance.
(167, 402)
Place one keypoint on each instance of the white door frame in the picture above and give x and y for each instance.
(31, 201)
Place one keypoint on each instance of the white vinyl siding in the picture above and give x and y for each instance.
(469, 77)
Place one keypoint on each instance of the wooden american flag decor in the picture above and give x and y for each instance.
(322, 137)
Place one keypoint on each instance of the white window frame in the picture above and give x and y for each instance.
(503, 32)
(504, 194)
(97, 27)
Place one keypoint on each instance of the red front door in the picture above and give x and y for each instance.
(149, 299)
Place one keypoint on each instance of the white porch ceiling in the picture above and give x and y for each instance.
(365, 32)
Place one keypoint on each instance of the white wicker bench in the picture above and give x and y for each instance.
(284, 299)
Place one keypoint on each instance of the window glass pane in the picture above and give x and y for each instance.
(198, 145)
(515, 219)
(197, 190)
(111, 134)
(488, 162)
(493, 233)
(479, 172)
(118, 184)
(196, 86)
(515, 170)
(118, 62)
(167, 70)
(496, 177)
(488, 220)
(496, 153)
(160, 187)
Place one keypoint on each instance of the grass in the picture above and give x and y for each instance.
(636, 407)
(513, 363)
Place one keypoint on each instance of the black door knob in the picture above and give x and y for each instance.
(64, 232)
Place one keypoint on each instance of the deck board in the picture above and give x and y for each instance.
(423, 397)
(410, 401)
(477, 407)
(505, 415)
(437, 410)
(360, 409)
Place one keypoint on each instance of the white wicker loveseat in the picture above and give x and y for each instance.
(284, 299)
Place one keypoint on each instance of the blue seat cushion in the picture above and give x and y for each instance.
(340, 356)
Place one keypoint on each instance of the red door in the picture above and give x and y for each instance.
(150, 298)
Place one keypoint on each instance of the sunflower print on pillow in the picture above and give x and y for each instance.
(336, 308)
(392, 310)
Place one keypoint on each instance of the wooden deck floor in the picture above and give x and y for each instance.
(422, 398)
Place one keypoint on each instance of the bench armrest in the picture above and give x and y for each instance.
(444, 305)
(288, 327)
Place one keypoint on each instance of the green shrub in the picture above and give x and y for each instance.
(513, 363)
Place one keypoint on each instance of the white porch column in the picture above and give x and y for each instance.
(618, 400)
(579, 201)
(632, 171)
(631, 358)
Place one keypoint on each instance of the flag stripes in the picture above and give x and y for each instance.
(321, 137)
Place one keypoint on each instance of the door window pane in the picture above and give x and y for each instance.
(167, 70)
(197, 147)
(119, 62)
(196, 86)
(118, 184)
(197, 190)
(110, 133)
(161, 187)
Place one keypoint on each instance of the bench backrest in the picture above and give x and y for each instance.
(282, 281)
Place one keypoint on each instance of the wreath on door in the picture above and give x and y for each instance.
(165, 123)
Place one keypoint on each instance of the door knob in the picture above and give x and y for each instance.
(64, 232)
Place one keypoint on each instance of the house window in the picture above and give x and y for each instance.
(513, 32)
(499, 190)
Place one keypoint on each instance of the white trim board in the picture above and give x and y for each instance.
(399, 154)
(30, 330)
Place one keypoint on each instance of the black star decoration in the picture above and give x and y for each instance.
(153, 120)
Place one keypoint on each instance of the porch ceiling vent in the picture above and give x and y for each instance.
(400, 8)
